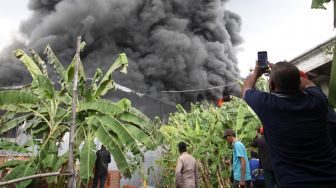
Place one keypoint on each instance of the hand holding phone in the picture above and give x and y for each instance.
(263, 60)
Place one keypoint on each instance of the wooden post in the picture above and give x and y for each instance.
(71, 163)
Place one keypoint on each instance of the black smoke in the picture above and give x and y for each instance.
(171, 44)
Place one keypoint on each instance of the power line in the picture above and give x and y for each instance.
(193, 90)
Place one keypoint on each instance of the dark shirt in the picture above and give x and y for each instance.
(331, 122)
(263, 152)
(102, 161)
(296, 134)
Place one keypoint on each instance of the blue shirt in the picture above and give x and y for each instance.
(296, 133)
(240, 151)
(254, 164)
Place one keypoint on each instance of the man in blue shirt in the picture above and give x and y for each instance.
(294, 116)
(241, 167)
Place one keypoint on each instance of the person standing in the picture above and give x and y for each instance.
(264, 158)
(241, 168)
(258, 180)
(294, 116)
(186, 173)
(102, 161)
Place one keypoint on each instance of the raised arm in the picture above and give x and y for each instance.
(251, 80)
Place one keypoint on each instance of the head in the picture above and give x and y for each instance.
(103, 147)
(182, 147)
(254, 154)
(284, 77)
(229, 135)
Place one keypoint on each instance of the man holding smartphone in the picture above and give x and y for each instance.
(294, 115)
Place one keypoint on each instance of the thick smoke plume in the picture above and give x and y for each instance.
(171, 44)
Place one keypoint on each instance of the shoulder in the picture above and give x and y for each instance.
(315, 91)
(255, 98)
(239, 144)
(253, 92)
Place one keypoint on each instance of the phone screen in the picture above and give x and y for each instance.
(262, 59)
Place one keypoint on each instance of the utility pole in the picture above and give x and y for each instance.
(71, 163)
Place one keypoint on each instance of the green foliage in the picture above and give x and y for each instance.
(46, 112)
(88, 156)
(319, 4)
(22, 170)
(202, 129)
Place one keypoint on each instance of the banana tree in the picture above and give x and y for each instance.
(202, 129)
(44, 113)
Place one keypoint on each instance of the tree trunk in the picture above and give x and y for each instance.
(72, 178)
(206, 175)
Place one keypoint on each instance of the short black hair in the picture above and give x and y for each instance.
(182, 147)
(285, 77)
(254, 154)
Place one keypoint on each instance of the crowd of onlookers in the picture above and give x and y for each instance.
(296, 145)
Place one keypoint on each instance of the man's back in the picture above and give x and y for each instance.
(296, 133)
(186, 168)
(103, 158)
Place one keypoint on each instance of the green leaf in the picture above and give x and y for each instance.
(124, 104)
(13, 97)
(102, 106)
(141, 136)
(12, 163)
(71, 70)
(50, 160)
(63, 159)
(107, 83)
(41, 64)
(58, 67)
(319, 4)
(87, 161)
(17, 108)
(6, 126)
(98, 75)
(113, 146)
(120, 130)
(134, 116)
(46, 87)
(32, 67)
(11, 146)
(240, 117)
(22, 170)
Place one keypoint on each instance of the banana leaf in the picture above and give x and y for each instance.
(87, 161)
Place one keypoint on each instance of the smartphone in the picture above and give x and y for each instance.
(262, 60)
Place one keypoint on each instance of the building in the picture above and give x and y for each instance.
(316, 63)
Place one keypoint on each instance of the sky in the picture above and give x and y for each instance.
(283, 28)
